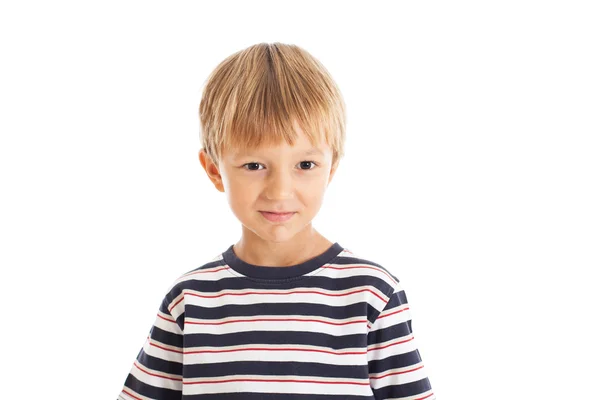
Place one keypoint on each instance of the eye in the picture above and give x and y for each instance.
(307, 163)
(253, 164)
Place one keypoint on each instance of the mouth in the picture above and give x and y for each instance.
(277, 216)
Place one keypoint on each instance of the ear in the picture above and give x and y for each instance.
(212, 170)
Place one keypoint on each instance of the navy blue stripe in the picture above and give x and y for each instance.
(166, 337)
(151, 391)
(269, 368)
(159, 364)
(396, 299)
(404, 390)
(271, 309)
(390, 333)
(260, 272)
(317, 282)
(396, 361)
(273, 396)
(275, 337)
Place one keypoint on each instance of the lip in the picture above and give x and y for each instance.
(277, 216)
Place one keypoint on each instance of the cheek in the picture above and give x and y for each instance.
(314, 192)
(240, 194)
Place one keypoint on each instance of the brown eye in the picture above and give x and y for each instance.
(307, 163)
(252, 164)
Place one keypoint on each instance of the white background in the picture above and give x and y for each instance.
(472, 172)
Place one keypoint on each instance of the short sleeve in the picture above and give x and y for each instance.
(157, 370)
(396, 370)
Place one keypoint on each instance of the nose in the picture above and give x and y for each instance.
(280, 185)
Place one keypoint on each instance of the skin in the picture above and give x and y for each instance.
(280, 178)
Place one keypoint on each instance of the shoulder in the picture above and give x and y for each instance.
(206, 274)
(377, 279)
(378, 275)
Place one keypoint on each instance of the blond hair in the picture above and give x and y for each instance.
(256, 95)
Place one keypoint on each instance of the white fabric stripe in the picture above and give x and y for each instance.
(270, 353)
(316, 379)
(159, 352)
(385, 320)
(154, 372)
(294, 323)
(208, 274)
(357, 269)
(167, 325)
(156, 381)
(317, 296)
(241, 319)
(398, 345)
(361, 389)
(125, 396)
(177, 306)
(399, 376)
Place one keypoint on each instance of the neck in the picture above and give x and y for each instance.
(302, 247)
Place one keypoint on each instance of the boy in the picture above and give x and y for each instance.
(284, 313)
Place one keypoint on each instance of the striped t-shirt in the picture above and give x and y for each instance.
(334, 327)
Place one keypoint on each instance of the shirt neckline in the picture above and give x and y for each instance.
(280, 272)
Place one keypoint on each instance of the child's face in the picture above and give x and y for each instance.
(281, 178)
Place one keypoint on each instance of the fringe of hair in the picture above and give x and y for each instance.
(261, 94)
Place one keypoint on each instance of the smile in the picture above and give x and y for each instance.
(277, 217)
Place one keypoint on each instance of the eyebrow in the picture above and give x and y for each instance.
(314, 150)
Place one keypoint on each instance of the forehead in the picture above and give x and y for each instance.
(266, 150)
(302, 146)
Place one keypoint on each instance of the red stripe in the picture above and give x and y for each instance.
(389, 345)
(129, 394)
(276, 293)
(279, 293)
(166, 319)
(369, 325)
(157, 375)
(396, 373)
(280, 380)
(364, 266)
(392, 313)
(275, 319)
(165, 348)
(276, 349)
(178, 301)
(429, 395)
(206, 271)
